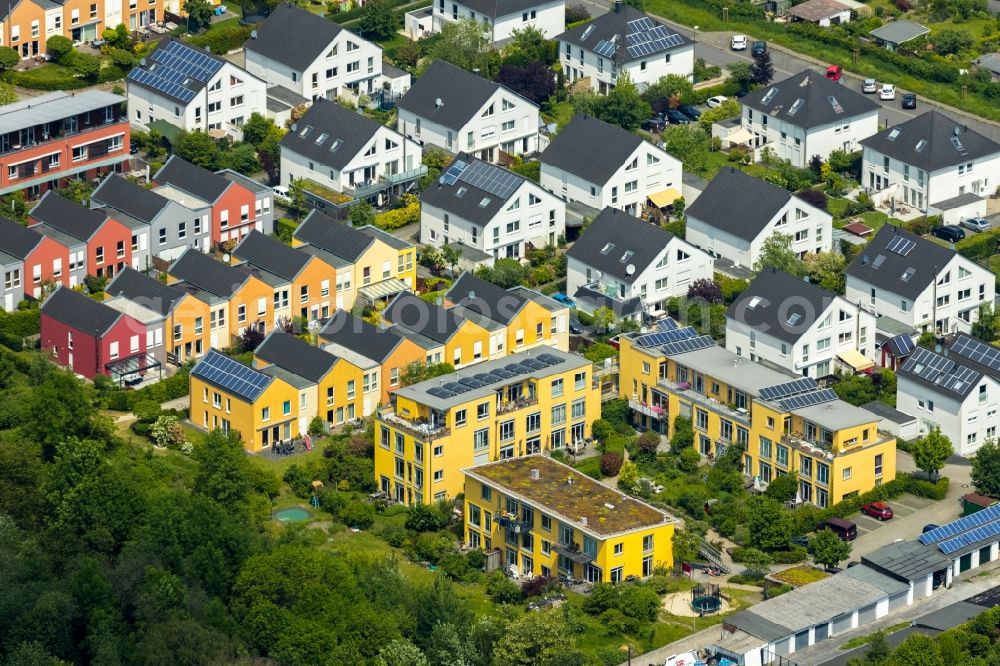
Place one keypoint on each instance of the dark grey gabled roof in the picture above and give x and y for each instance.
(952, 376)
(809, 99)
(192, 179)
(16, 239)
(271, 255)
(294, 37)
(80, 311)
(330, 235)
(932, 141)
(461, 198)
(724, 204)
(409, 311)
(295, 355)
(129, 198)
(616, 240)
(622, 308)
(331, 135)
(906, 560)
(462, 95)
(625, 34)
(590, 148)
(898, 32)
(485, 298)
(372, 342)
(144, 290)
(784, 306)
(67, 216)
(205, 273)
(906, 275)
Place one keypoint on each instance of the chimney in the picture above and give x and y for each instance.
(534, 474)
(583, 520)
(618, 6)
(472, 295)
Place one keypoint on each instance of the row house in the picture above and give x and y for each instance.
(46, 140)
(31, 261)
(442, 332)
(500, 18)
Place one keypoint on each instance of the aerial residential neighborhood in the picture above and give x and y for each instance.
(500, 333)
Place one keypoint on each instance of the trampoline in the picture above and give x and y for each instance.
(706, 599)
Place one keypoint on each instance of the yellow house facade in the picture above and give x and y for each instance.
(545, 518)
(783, 424)
(445, 335)
(230, 396)
(535, 401)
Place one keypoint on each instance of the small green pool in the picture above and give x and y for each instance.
(294, 515)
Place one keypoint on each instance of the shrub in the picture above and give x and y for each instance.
(425, 518)
(688, 460)
(576, 13)
(456, 566)
(601, 429)
(584, 318)
(659, 583)
(793, 555)
(611, 464)
(223, 40)
(649, 441)
(814, 198)
(778, 590)
(399, 217)
(394, 535)
(357, 514)
(636, 601)
(744, 579)
(616, 623)
(534, 587)
(502, 589)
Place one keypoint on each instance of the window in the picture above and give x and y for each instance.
(79, 153)
(557, 387)
(99, 255)
(483, 411)
(481, 439)
(507, 430)
(846, 474)
(579, 409)
(460, 418)
(533, 422)
(236, 101)
(878, 464)
(782, 455)
(438, 475)
(765, 448)
(559, 414)
(619, 549)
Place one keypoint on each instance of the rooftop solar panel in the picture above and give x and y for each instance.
(666, 324)
(492, 179)
(663, 337)
(978, 351)
(788, 388)
(688, 345)
(956, 527)
(808, 399)
(231, 376)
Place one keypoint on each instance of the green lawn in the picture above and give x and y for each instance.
(50, 76)
(836, 206)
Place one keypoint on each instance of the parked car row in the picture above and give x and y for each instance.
(682, 115)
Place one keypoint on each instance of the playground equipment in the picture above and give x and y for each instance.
(706, 599)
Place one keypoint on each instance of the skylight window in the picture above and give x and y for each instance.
(921, 145)
(754, 302)
(485, 202)
(586, 33)
(769, 96)
(627, 256)
(460, 192)
(893, 134)
(321, 138)
(337, 143)
(878, 260)
(796, 106)
(837, 108)
(794, 318)
(958, 144)
(908, 273)
(607, 248)
(305, 131)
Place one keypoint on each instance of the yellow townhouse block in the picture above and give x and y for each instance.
(784, 424)
(228, 395)
(539, 400)
(539, 517)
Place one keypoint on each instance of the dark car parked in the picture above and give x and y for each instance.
(758, 48)
(909, 101)
(654, 124)
(675, 117)
(948, 233)
(690, 111)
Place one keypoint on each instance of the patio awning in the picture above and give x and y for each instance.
(664, 198)
(383, 289)
(742, 135)
(855, 359)
(122, 368)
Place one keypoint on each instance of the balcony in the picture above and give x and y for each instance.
(385, 182)
(420, 429)
(648, 409)
(684, 390)
(573, 552)
(825, 450)
(44, 133)
(514, 405)
(511, 522)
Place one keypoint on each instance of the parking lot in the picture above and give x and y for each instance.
(902, 506)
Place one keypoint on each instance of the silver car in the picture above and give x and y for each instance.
(976, 224)
(869, 86)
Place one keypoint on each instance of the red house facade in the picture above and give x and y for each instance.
(87, 336)
(47, 139)
(44, 259)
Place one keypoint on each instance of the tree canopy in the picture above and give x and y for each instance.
(931, 451)
(829, 549)
(986, 469)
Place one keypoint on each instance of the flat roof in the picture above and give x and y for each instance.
(294, 380)
(183, 198)
(574, 498)
(53, 106)
(887, 584)
(133, 309)
(419, 392)
(888, 413)
(350, 355)
(732, 369)
(909, 560)
(835, 415)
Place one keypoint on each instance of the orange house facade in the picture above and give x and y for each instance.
(61, 135)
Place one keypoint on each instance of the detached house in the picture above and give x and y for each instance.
(461, 111)
(737, 212)
(631, 266)
(98, 245)
(808, 114)
(303, 283)
(29, 260)
(162, 227)
(182, 87)
(343, 151)
(624, 41)
(933, 163)
(500, 17)
(602, 165)
(919, 283)
(496, 213)
(311, 55)
(800, 327)
(236, 210)
(86, 336)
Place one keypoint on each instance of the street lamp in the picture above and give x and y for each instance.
(696, 34)
(627, 648)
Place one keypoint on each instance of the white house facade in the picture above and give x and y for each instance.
(463, 112)
(722, 223)
(807, 115)
(602, 165)
(502, 17)
(489, 209)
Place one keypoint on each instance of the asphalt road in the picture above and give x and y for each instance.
(713, 47)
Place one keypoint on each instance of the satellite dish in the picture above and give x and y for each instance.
(226, 258)
(438, 103)
(630, 269)
(142, 62)
(253, 34)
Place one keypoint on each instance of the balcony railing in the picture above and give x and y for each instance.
(385, 182)
(573, 552)
(511, 522)
(684, 389)
(648, 409)
(13, 144)
(825, 450)
(422, 430)
(515, 405)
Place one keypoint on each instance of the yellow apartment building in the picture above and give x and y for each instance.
(332, 386)
(226, 394)
(534, 401)
(518, 318)
(784, 424)
(371, 265)
(547, 519)
(304, 285)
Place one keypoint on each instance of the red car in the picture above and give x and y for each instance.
(879, 510)
(615, 341)
(833, 72)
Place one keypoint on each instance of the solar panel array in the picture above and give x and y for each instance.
(605, 48)
(808, 399)
(174, 68)
(788, 388)
(641, 24)
(690, 344)
(988, 532)
(900, 245)
(977, 351)
(666, 324)
(926, 364)
(662, 337)
(226, 373)
(956, 527)
(904, 343)
(646, 38)
(480, 380)
(454, 171)
(498, 182)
